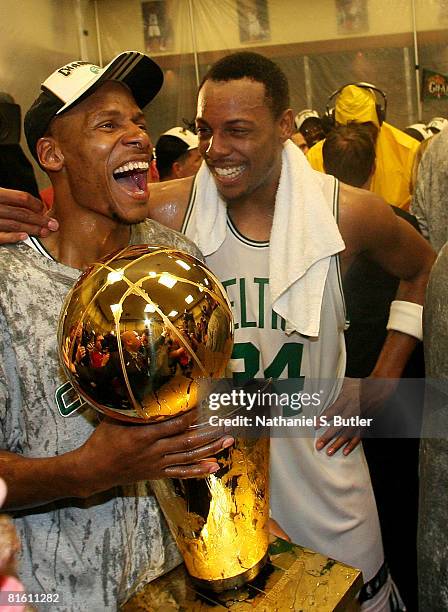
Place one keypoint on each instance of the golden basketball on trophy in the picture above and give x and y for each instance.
(139, 333)
(140, 328)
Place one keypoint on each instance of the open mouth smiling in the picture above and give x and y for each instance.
(228, 174)
(133, 177)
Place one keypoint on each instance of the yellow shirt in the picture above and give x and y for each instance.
(395, 152)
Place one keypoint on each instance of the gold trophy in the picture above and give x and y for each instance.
(140, 333)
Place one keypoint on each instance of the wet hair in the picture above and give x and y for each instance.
(256, 67)
(349, 153)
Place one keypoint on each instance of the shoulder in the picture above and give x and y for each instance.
(15, 257)
(355, 202)
(400, 137)
(168, 201)
(407, 216)
(363, 215)
(152, 232)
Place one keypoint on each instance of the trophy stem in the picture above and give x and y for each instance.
(220, 522)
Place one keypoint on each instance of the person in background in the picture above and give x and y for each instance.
(429, 201)
(394, 149)
(349, 155)
(432, 542)
(310, 125)
(423, 146)
(10, 586)
(177, 154)
(300, 141)
(419, 131)
(436, 125)
(16, 171)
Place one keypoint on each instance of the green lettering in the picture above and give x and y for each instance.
(244, 322)
(225, 284)
(251, 356)
(261, 282)
(290, 357)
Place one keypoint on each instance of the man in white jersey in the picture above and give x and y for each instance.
(322, 497)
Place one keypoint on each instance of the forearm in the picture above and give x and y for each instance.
(396, 351)
(38, 481)
(399, 346)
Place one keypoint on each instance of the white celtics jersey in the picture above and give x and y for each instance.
(325, 503)
(262, 348)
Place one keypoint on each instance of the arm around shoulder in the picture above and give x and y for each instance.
(22, 214)
(168, 201)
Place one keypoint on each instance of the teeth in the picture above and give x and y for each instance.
(229, 172)
(133, 165)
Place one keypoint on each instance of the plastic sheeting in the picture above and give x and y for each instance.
(321, 45)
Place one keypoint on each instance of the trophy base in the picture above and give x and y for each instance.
(294, 578)
(234, 582)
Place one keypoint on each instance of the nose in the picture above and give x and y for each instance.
(137, 137)
(216, 147)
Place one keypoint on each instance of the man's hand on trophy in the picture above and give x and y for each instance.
(22, 214)
(118, 453)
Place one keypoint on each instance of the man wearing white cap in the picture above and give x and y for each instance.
(177, 154)
(309, 124)
(436, 124)
(90, 527)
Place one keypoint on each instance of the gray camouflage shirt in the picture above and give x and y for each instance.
(95, 553)
(429, 201)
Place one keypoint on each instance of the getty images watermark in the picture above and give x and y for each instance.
(302, 407)
(262, 408)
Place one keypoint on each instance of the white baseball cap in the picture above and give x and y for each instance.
(437, 124)
(190, 139)
(418, 131)
(307, 113)
(75, 81)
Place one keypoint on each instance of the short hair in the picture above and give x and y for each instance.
(349, 153)
(246, 64)
(168, 150)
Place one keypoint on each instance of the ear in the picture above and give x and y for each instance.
(286, 125)
(176, 170)
(49, 154)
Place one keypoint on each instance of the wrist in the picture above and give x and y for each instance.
(406, 317)
(35, 481)
(85, 471)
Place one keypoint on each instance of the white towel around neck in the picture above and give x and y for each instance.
(303, 238)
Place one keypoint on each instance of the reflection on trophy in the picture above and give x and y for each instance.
(139, 334)
(220, 522)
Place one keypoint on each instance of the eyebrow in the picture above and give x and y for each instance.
(114, 113)
(228, 123)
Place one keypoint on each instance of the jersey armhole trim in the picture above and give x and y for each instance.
(338, 260)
